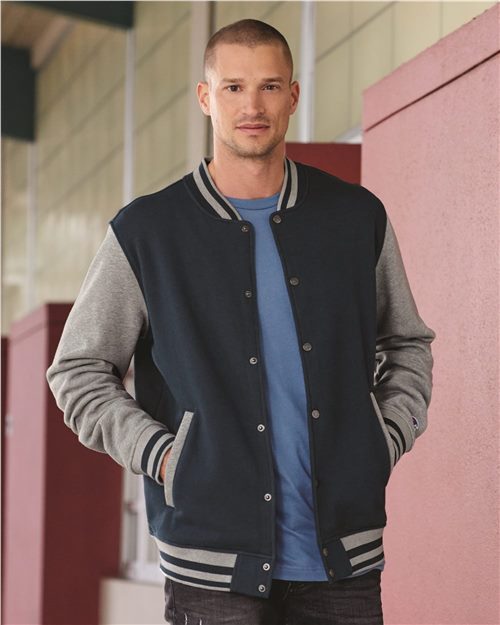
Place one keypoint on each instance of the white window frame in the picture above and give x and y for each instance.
(139, 554)
(137, 561)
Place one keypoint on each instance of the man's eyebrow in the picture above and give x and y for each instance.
(272, 79)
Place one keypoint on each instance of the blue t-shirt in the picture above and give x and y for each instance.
(298, 556)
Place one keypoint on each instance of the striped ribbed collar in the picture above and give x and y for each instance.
(212, 200)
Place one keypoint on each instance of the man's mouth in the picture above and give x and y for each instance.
(253, 128)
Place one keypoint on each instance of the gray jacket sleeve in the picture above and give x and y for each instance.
(403, 376)
(93, 356)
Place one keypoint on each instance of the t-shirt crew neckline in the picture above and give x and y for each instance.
(256, 204)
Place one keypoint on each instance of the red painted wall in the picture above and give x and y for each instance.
(340, 159)
(430, 151)
(62, 525)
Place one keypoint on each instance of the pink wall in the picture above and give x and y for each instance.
(63, 513)
(3, 407)
(431, 152)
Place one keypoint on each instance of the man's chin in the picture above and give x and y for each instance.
(255, 151)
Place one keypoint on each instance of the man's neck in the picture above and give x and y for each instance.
(248, 178)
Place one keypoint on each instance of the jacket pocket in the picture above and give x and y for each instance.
(174, 457)
(387, 436)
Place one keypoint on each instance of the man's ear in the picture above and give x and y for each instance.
(203, 97)
(295, 93)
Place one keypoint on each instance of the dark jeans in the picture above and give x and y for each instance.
(350, 601)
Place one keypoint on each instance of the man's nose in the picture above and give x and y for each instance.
(253, 103)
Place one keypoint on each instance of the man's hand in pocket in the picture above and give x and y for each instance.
(163, 465)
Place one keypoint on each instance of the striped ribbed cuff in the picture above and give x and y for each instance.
(402, 433)
(151, 447)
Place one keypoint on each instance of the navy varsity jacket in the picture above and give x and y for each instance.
(169, 287)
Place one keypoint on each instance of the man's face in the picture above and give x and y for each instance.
(249, 99)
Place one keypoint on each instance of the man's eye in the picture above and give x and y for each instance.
(272, 87)
(233, 88)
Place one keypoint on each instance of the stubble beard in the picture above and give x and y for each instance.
(257, 152)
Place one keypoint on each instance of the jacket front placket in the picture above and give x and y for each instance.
(224, 209)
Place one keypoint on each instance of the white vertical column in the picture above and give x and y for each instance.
(128, 126)
(197, 127)
(306, 76)
(132, 536)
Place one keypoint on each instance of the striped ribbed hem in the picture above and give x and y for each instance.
(252, 574)
(202, 568)
(364, 549)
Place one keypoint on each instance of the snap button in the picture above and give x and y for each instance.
(331, 573)
(307, 347)
(253, 360)
(294, 281)
(415, 423)
(325, 551)
(266, 566)
(267, 497)
(261, 427)
(248, 293)
(277, 219)
(245, 228)
(262, 588)
(315, 414)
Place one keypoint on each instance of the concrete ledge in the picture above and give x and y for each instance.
(124, 602)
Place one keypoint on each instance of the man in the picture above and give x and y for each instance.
(281, 366)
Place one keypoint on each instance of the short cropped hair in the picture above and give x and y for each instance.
(247, 32)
